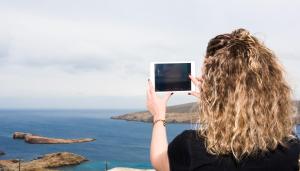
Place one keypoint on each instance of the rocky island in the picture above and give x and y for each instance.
(184, 113)
(1, 153)
(46, 162)
(36, 139)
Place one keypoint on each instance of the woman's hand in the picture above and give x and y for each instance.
(197, 81)
(156, 105)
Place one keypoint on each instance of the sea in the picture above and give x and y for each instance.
(118, 143)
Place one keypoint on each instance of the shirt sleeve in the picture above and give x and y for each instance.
(179, 158)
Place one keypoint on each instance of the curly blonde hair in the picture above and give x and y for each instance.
(245, 102)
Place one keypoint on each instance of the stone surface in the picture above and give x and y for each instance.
(46, 162)
(129, 169)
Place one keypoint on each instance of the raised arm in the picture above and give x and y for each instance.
(159, 143)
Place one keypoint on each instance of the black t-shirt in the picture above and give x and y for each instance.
(187, 152)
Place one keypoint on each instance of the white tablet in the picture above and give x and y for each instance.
(172, 76)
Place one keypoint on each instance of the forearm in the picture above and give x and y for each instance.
(159, 143)
(159, 147)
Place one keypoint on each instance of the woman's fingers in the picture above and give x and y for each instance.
(200, 79)
(148, 92)
(151, 88)
(151, 93)
(194, 93)
(196, 80)
(167, 96)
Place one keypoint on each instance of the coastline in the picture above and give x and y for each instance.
(183, 113)
(63, 127)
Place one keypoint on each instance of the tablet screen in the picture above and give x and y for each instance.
(172, 77)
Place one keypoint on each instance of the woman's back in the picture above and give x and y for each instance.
(187, 152)
(245, 113)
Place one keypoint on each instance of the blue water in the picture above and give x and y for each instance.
(118, 143)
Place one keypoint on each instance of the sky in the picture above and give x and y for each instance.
(96, 53)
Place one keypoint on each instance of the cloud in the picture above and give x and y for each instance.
(3, 52)
(42, 41)
(103, 48)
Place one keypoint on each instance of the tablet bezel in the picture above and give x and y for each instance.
(152, 74)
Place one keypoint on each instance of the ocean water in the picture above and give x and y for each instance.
(118, 143)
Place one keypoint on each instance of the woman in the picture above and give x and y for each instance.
(245, 113)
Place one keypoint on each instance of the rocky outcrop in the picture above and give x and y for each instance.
(46, 162)
(184, 113)
(20, 135)
(2, 153)
(129, 169)
(36, 139)
(32, 139)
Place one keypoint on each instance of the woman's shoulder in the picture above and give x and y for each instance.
(187, 134)
(183, 143)
(186, 137)
(179, 151)
(188, 149)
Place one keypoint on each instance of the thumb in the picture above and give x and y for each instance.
(167, 96)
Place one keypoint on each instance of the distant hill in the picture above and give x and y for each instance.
(183, 113)
(297, 104)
